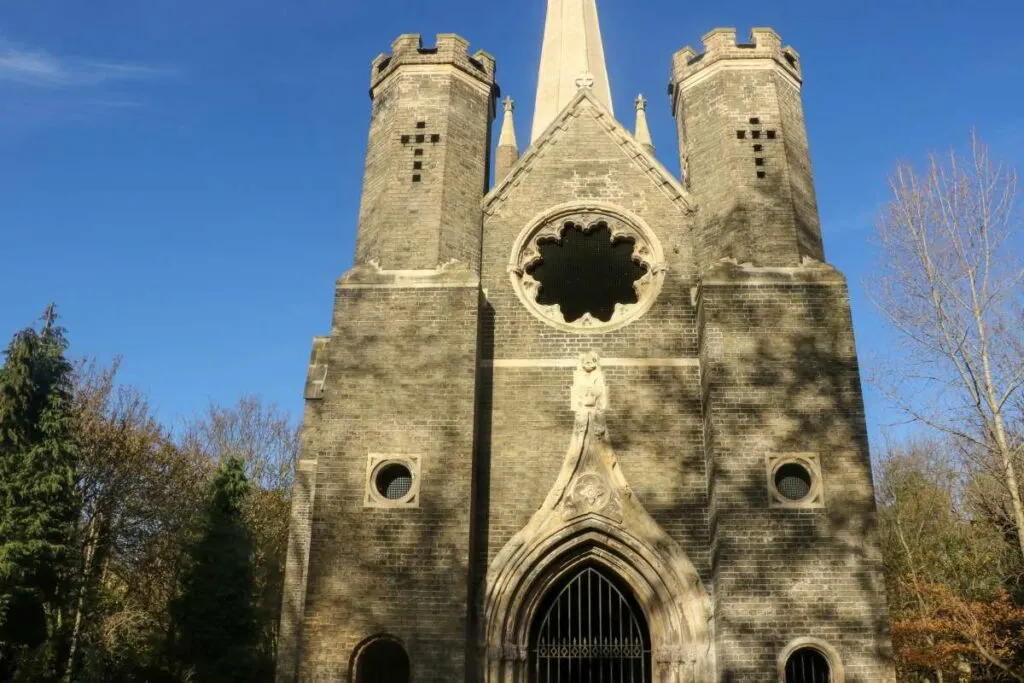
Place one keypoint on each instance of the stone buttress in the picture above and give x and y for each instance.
(780, 382)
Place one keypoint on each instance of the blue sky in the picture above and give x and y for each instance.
(182, 176)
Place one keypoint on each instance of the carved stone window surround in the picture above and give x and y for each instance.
(815, 497)
(375, 464)
(587, 216)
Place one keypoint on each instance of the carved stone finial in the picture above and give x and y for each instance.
(507, 140)
(642, 132)
(589, 391)
(586, 80)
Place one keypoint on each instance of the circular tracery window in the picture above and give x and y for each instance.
(587, 268)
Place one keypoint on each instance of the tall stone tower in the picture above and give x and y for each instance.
(589, 422)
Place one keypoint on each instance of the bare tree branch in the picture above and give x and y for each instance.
(951, 283)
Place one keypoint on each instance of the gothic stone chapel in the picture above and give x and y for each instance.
(586, 421)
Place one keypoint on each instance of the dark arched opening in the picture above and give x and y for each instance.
(587, 272)
(382, 660)
(808, 665)
(590, 628)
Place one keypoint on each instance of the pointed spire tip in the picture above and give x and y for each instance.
(508, 128)
(643, 132)
(572, 58)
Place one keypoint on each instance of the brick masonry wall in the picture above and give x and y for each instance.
(798, 171)
(401, 381)
(655, 427)
(654, 417)
(585, 162)
(407, 223)
(296, 566)
(780, 375)
(766, 221)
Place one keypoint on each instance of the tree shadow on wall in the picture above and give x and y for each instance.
(406, 386)
(781, 375)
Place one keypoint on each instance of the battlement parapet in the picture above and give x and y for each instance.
(449, 49)
(720, 44)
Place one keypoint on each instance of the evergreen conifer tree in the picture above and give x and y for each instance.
(215, 616)
(38, 498)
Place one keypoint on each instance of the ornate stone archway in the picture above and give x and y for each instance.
(592, 517)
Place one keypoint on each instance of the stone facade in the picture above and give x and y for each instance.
(741, 360)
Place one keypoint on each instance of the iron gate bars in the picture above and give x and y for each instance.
(590, 633)
(807, 665)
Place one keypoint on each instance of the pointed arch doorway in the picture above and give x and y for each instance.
(589, 628)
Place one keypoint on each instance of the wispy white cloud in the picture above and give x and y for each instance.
(39, 89)
(39, 68)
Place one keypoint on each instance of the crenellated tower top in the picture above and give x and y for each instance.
(746, 159)
(720, 46)
(427, 156)
(450, 48)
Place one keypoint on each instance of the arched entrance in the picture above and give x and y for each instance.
(808, 665)
(381, 660)
(589, 628)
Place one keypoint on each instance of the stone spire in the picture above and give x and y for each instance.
(572, 58)
(643, 133)
(508, 150)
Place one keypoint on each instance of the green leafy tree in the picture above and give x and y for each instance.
(267, 441)
(38, 498)
(142, 499)
(215, 617)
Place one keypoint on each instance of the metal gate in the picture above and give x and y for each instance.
(807, 665)
(589, 631)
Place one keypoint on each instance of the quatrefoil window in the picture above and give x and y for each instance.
(587, 268)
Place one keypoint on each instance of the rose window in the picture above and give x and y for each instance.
(587, 270)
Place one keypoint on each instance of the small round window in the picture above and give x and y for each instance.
(393, 481)
(793, 481)
(587, 268)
